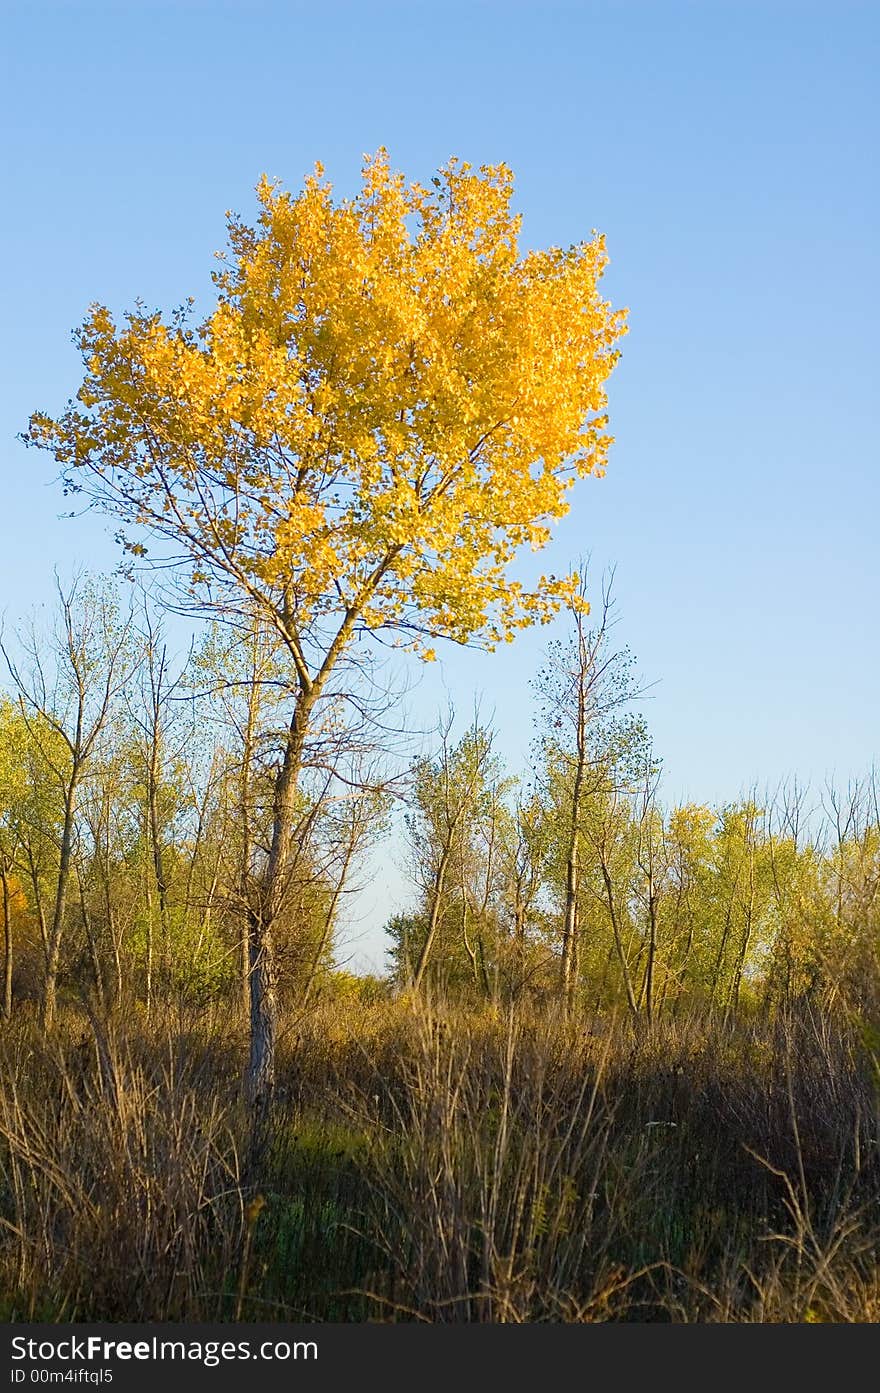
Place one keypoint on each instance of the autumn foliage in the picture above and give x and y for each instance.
(388, 400)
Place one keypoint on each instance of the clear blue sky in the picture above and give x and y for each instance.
(727, 150)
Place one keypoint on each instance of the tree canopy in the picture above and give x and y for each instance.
(386, 403)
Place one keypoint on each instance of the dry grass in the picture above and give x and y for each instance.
(441, 1166)
(122, 1182)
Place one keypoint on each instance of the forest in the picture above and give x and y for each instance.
(624, 1061)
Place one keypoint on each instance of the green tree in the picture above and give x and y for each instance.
(65, 698)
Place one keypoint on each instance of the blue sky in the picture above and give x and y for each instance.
(727, 151)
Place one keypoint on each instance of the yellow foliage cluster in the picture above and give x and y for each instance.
(386, 403)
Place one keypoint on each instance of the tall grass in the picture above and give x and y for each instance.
(487, 1181)
(122, 1194)
(444, 1166)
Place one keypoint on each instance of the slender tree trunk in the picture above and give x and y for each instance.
(7, 942)
(117, 964)
(327, 926)
(262, 967)
(484, 971)
(34, 874)
(603, 981)
(682, 971)
(244, 965)
(471, 952)
(262, 976)
(93, 946)
(433, 919)
(733, 1002)
(50, 984)
(618, 941)
(53, 956)
(722, 949)
(571, 923)
(571, 926)
(652, 951)
(102, 858)
(158, 858)
(519, 928)
(148, 983)
(244, 876)
(575, 957)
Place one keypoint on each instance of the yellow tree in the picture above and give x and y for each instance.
(388, 401)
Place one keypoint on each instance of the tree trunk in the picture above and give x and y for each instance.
(618, 941)
(571, 925)
(264, 1019)
(244, 875)
(157, 856)
(260, 1075)
(7, 943)
(93, 947)
(433, 920)
(262, 971)
(652, 952)
(53, 955)
(326, 927)
(148, 983)
(733, 1001)
(244, 968)
(33, 872)
(50, 985)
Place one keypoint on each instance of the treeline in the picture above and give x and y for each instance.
(727, 908)
(579, 884)
(136, 809)
(136, 817)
